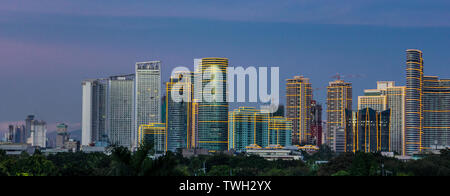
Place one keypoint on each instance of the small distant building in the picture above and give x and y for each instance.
(274, 154)
(17, 149)
(62, 135)
(72, 145)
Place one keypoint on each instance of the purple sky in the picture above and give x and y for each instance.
(47, 47)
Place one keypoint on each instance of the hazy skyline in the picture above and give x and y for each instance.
(48, 47)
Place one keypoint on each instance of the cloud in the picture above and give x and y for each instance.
(368, 12)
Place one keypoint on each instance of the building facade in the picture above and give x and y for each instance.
(62, 136)
(250, 127)
(414, 104)
(154, 133)
(388, 96)
(93, 125)
(212, 118)
(339, 99)
(120, 110)
(178, 111)
(147, 94)
(436, 113)
(316, 123)
(298, 108)
(367, 130)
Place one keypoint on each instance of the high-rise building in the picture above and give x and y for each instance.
(298, 107)
(212, 120)
(250, 127)
(436, 112)
(388, 96)
(247, 126)
(93, 125)
(20, 134)
(62, 136)
(120, 110)
(367, 130)
(38, 133)
(154, 133)
(339, 98)
(316, 123)
(178, 111)
(147, 95)
(414, 103)
(28, 122)
(280, 131)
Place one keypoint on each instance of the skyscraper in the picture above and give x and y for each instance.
(148, 94)
(93, 125)
(339, 98)
(120, 110)
(436, 112)
(316, 123)
(178, 111)
(212, 122)
(298, 107)
(38, 133)
(62, 136)
(247, 126)
(388, 96)
(28, 122)
(367, 130)
(250, 127)
(414, 103)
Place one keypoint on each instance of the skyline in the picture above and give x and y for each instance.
(48, 57)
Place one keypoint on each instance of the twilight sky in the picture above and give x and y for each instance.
(48, 47)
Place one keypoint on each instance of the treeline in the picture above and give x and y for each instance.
(122, 162)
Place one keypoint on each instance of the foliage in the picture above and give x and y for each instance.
(122, 162)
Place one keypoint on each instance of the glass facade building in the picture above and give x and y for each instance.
(212, 117)
(120, 110)
(367, 130)
(154, 133)
(250, 127)
(436, 113)
(414, 103)
(178, 111)
(388, 96)
(147, 94)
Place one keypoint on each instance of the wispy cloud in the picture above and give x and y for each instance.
(367, 12)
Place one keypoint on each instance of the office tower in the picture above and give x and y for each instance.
(178, 111)
(367, 130)
(20, 134)
(153, 133)
(436, 113)
(247, 126)
(10, 137)
(388, 96)
(28, 122)
(280, 130)
(414, 103)
(339, 98)
(93, 124)
(212, 121)
(120, 110)
(62, 136)
(148, 94)
(38, 133)
(250, 127)
(298, 108)
(316, 123)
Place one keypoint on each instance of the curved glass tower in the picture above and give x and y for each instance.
(414, 107)
(212, 122)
